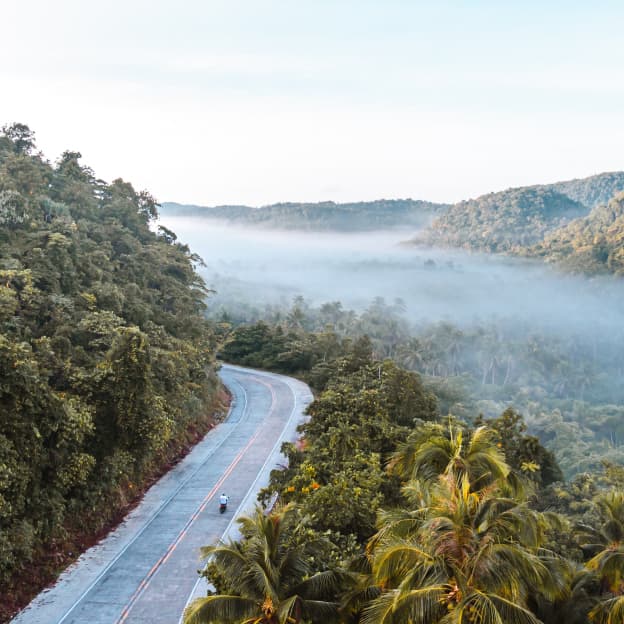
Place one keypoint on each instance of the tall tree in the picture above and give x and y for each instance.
(474, 558)
(266, 578)
(606, 543)
(432, 450)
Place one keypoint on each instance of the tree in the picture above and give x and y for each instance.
(106, 365)
(606, 543)
(21, 135)
(266, 578)
(473, 558)
(524, 453)
(433, 450)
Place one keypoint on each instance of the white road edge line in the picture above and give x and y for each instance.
(154, 516)
(244, 503)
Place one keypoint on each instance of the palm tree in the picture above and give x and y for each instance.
(606, 544)
(431, 451)
(572, 606)
(409, 354)
(474, 558)
(269, 580)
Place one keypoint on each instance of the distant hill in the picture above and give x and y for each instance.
(499, 222)
(324, 216)
(592, 244)
(519, 217)
(592, 191)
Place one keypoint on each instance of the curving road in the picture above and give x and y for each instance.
(146, 570)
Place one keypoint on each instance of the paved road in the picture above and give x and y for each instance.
(146, 570)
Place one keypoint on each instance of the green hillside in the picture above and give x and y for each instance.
(323, 216)
(592, 244)
(520, 217)
(594, 190)
(499, 222)
(106, 365)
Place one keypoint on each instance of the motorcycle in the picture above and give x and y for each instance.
(223, 501)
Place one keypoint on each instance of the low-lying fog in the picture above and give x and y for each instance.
(262, 266)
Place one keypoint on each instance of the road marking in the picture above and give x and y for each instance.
(144, 584)
(286, 382)
(149, 522)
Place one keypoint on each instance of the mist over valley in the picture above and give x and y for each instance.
(270, 267)
(486, 330)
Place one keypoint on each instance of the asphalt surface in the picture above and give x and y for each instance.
(146, 570)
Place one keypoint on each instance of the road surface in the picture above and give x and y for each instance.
(146, 570)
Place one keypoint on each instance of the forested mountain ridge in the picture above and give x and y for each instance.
(356, 216)
(522, 208)
(591, 244)
(106, 360)
(498, 222)
(594, 190)
(516, 218)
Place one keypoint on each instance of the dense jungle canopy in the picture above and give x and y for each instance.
(106, 360)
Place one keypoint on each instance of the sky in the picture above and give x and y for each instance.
(254, 102)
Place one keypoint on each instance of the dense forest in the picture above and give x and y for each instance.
(500, 222)
(592, 191)
(592, 244)
(516, 220)
(106, 359)
(323, 216)
(390, 512)
(569, 386)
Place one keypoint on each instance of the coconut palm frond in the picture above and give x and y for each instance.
(381, 610)
(219, 610)
(609, 611)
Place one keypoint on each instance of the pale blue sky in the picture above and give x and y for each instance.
(261, 101)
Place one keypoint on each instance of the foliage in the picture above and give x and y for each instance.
(433, 450)
(524, 453)
(515, 219)
(105, 357)
(473, 556)
(475, 527)
(267, 578)
(500, 222)
(374, 215)
(592, 191)
(337, 476)
(569, 387)
(592, 244)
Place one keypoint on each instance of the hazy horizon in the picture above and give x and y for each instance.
(389, 198)
(271, 267)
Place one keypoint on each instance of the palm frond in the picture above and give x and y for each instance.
(419, 606)
(397, 559)
(323, 584)
(511, 612)
(220, 610)
(320, 611)
(609, 611)
(381, 610)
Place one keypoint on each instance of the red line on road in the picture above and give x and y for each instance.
(143, 585)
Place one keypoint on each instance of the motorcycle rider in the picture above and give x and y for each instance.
(223, 500)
